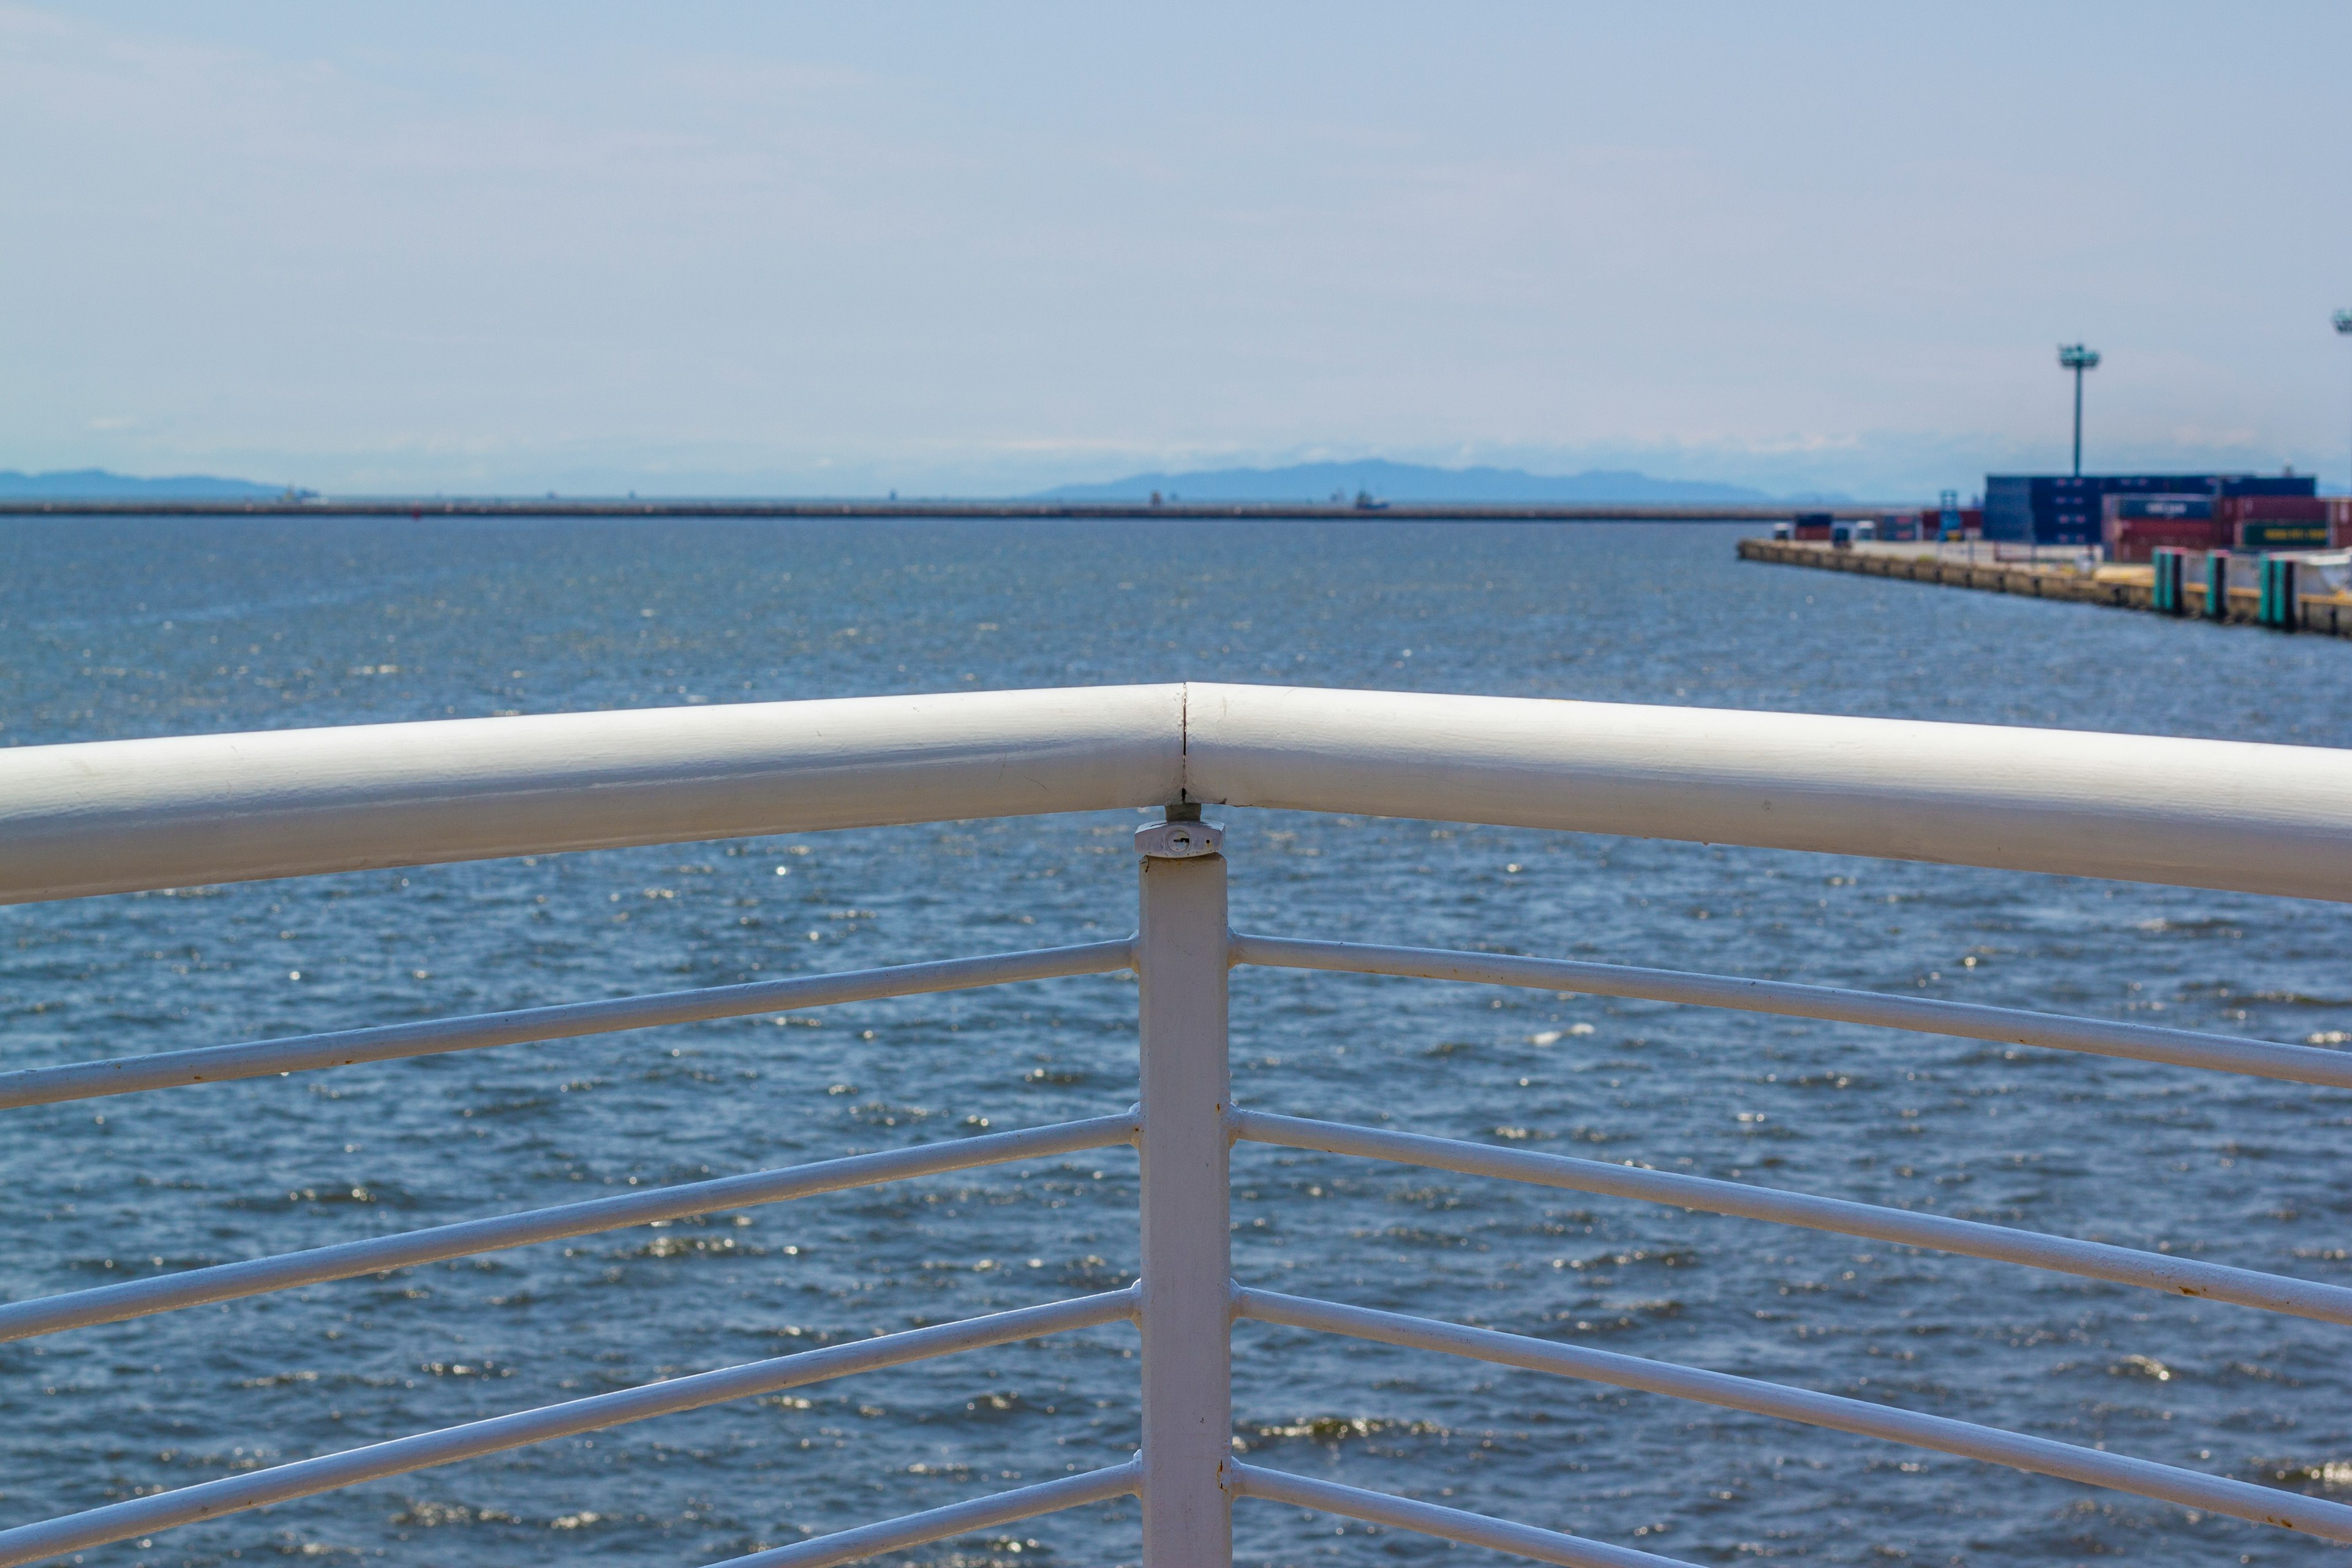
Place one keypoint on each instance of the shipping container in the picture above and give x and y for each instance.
(1814, 525)
(2268, 536)
(2272, 485)
(2132, 539)
(2158, 505)
(2273, 508)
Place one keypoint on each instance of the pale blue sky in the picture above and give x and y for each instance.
(958, 248)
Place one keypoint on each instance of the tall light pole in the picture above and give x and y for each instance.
(2078, 359)
(2343, 324)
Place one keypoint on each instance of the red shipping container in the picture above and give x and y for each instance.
(2132, 538)
(2273, 508)
(2340, 522)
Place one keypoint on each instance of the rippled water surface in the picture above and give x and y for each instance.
(124, 628)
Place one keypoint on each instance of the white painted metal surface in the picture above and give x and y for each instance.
(386, 1042)
(1919, 1015)
(1447, 1523)
(84, 820)
(116, 816)
(113, 815)
(956, 1519)
(346, 1260)
(303, 1477)
(1187, 1318)
(2189, 1488)
(1907, 1227)
(2209, 814)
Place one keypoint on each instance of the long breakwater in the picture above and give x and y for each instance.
(1167, 510)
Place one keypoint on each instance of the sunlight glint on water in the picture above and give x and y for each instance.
(119, 628)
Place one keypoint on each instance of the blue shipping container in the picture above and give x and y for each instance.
(2164, 506)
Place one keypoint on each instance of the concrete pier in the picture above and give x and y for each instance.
(2118, 587)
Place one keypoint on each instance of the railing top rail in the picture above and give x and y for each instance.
(2210, 813)
(114, 816)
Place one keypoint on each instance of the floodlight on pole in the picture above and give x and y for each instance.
(2078, 359)
(2344, 322)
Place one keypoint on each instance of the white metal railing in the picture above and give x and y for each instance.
(113, 817)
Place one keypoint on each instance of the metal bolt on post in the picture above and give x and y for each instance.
(1182, 960)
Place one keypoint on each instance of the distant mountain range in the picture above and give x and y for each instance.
(97, 484)
(1298, 482)
(1408, 481)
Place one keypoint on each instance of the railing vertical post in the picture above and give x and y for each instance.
(1182, 959)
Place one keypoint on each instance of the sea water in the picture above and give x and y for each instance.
(131, 627)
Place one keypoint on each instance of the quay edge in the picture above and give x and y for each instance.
(2329, 615)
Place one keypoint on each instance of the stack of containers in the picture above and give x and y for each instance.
(2055, 509)
(2133, 526)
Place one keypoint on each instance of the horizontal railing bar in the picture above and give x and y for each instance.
(1430, 1519)
(2167, 1483)
(2140, 808)
(386, 1042)
(375, 1255)
(1963, 1020)
(303, 1477)
(107, 816)
(955, 1519)
(2063, 1255)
